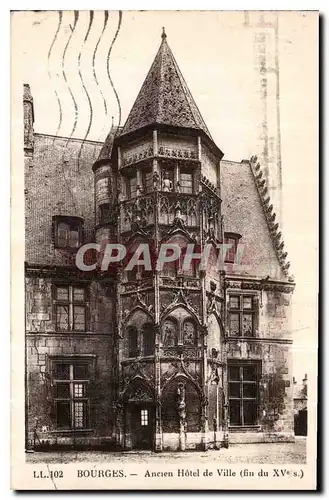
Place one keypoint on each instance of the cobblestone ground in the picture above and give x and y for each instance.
(273, 453)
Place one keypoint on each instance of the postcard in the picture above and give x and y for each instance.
(164, 250)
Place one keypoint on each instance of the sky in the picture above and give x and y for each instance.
(215, 53)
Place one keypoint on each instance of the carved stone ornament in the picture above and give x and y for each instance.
(140, 395)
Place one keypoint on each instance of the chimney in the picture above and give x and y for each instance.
(28, 120)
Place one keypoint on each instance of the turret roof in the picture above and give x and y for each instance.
(165, 97)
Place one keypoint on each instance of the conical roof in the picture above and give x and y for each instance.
(164, 97)
(106, 151)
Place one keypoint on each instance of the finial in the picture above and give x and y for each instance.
(112, 121)
(163, 36)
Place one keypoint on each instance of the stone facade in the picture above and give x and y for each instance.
(161, 359)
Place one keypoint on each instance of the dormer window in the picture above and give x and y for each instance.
(67, 231)
(233, 240)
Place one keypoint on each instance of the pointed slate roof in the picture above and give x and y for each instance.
(164, 97)
(106, 151)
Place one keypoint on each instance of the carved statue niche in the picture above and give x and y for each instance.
(181, 406)
(189, 333)
(178, 211)
(169, 333)
(156, 180)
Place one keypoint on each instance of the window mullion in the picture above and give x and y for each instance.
(71, 394)
(240, 314)
(139, 178)
(177, 178)
(71, 308)
(67, 237)
(241, 395)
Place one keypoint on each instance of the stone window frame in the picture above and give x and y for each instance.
(186, 171)
(147, 180)
(139, 345)
(73, 222)
(179, 325)
(70, 303)
(104, 213)
(241, 381)
(133, 341)
(174, 169)
(127, 175)
(234, 239)
(241, 310)
(147, 333)
(87, 360)
(144, 414)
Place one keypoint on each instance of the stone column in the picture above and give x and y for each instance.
(119, 433)
(225, 426)
(157, 373)
(182, 416)
(158, 427)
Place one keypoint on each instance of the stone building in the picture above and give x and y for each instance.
(300, 406)
(161, 360)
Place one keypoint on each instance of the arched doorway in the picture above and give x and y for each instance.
(139, 418)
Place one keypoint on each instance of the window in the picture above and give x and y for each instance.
(147, 180)
(186, 182)
(191, 271)
(144, 418)
(104, 212)
(132, 274)
(243, 393)
(70, 382)
(182, 333)
(242, 313)
(233, 240)
(169, 269)
(176, 267)
(131, 187)
(67, 231)
(132, 341)
(138, 272)
(70, 308)
(148, 339)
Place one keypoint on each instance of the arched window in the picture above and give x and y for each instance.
(189, 333)
(169, 333)
(132, 334)
(148, 339)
